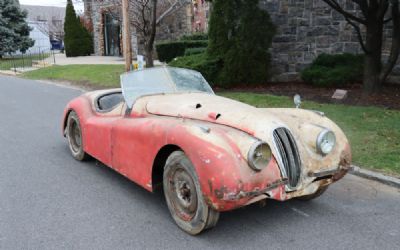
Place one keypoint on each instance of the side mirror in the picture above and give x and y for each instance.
(297, 101)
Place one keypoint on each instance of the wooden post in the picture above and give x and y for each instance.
(126, 34)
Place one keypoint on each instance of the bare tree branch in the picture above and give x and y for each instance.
(383, 7)
(395, 49)
(387, 20)
(145, 16)
(173, 8)
(359, 35)
(336, 6)
(363, 4)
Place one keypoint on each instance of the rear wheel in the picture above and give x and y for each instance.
(184, 196)
(74, 136)
(315, 195)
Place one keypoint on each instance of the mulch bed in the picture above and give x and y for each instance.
(388, 97)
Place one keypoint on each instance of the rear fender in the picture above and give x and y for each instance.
(82, 107)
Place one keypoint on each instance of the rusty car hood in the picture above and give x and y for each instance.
(258, 122)
(305, 125)
(213, 108)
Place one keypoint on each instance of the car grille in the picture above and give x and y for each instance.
(289, 154)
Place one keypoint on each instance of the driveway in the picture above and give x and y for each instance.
(50, 201)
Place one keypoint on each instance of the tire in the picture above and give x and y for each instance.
(184, 196)
(74, 137)
(313, 196)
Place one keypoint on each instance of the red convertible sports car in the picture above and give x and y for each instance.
(166, 127)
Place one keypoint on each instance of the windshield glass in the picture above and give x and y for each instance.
(161, 80)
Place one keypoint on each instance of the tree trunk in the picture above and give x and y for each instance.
(373, 59)
(395, 48)
(150, 42)
(372, 72)
(149, 56)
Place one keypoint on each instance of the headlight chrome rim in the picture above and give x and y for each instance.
(253, 159)
(326, 142)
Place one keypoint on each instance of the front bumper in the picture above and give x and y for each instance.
(276, 190)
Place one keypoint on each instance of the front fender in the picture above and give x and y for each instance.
(219, 155)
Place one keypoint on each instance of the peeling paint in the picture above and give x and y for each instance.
(218, 150)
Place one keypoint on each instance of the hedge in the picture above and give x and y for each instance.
(167, 51)
(193, 51)
(209, 67)
(195, 36)
(334, 70)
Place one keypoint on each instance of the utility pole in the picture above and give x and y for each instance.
(126, 34)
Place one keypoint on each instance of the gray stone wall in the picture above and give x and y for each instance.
(307, 28)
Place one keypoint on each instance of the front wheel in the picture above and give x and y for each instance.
(184, 196)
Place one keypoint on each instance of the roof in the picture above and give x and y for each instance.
(44, 13)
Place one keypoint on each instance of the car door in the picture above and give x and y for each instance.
(99, 132)
(134, 146)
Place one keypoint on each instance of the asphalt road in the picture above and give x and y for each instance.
(50, 201)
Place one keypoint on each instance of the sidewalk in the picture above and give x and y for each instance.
(61, 59)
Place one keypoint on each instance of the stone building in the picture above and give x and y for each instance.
(104, 18)
(307, 28)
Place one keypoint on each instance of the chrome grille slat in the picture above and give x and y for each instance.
(289, 154)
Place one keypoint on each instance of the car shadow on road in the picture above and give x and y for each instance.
(254, 219)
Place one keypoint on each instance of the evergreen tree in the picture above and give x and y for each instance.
(241, 35)
(222, 26)
(14, 30)
(77, 40)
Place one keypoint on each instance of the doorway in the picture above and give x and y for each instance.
(112, 36)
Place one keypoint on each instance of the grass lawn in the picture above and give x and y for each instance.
(374, 132)
(93, 75)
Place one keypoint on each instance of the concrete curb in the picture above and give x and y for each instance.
(388, 180)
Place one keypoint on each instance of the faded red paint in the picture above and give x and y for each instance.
(129, 145)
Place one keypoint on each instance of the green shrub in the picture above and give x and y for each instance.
(241, 34)
(334, 70)
(193, 51)
(169, 50)
(209, 67)
(195, 36)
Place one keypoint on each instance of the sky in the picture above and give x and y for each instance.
(60, 3)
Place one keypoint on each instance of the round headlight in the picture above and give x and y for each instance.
(326, 141)
(259, 155)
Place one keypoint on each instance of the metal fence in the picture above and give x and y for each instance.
(27, 61)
